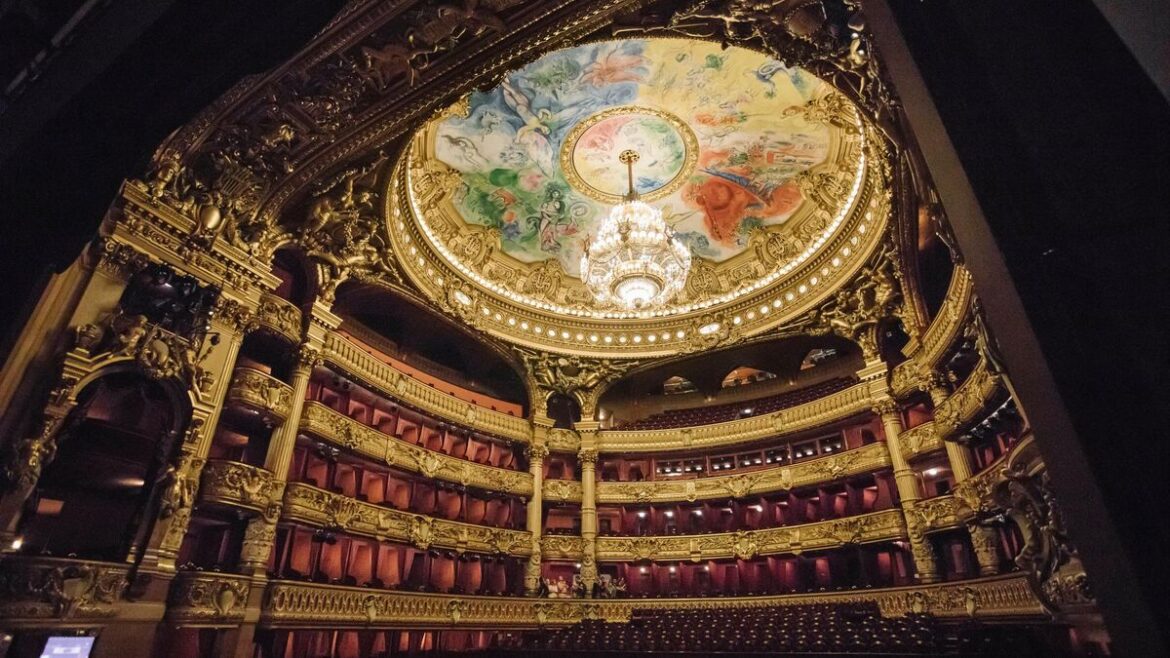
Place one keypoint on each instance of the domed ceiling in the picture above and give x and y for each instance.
(761, 169)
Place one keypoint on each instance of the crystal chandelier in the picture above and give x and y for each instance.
(634, 261)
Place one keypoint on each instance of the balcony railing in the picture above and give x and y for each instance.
(838, 406)
(414, 393)
(865, 459)
(939, 336)
(746, 544)
(343, 431)
(44, 588)
(308, 504)
(232, 483)
(279, 316)
(964, 405)
(920, 440)
(202, 597)
(260, 392)
(296, 604)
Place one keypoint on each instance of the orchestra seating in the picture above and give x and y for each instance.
(815, 628)
(722, 413)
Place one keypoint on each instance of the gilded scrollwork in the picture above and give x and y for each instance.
(572, 375)
(54, 588)
(780, 478)
(919, 440)
(350, 434)
(342, 230)
(279, 316)
(877, 526)
(979, 390)
(291, 603)
(313, 506)
(562, 547)
(198, 596)
(237, 484)
(260, 391)
(29, 455)
(855, 311)
(932, 514)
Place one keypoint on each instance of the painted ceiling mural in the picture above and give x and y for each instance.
(537, 155)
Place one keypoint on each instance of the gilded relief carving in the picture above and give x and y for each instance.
(352, 435)
(53, 588)
(260, 391)
(208, 597)
(781, 478)
(307, 504)
(877, 526)
(237, 484)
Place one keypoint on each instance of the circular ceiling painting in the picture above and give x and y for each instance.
(538, 153)
(757, 166)
(666, 147)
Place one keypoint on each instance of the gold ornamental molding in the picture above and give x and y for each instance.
(311, 605)
(343, 431)
(280, 316)
(920, 440)
(562, 491)
(965, 404)
(261, 392)
(1000, 596)
(316, 507)
(236, 484)
(746, 544)
(40, 589)
(853, 401)
(199, 598)
(938, 338)
(413, 393)
(975, 494)
(562, 547)
(865, 459)
(938, 513)
(173, 237)
(435, 260)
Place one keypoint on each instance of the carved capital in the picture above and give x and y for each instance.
(308, 357)
(587, 456)
(536, 452)
(885, 406)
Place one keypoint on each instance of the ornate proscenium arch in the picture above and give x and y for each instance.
(271, 143)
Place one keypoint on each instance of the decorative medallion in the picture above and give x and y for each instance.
(668, 148)
(501, 192)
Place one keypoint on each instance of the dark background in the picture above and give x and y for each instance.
(1066, 142)
(134, 72)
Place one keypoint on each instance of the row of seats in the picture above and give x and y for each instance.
(817, 628)
(722, 413)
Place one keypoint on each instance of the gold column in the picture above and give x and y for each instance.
(983, 539)
(232, 319)
(261, 532)
(908, 491)
(536, 454)
(588, 460)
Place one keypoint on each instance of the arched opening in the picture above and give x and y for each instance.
(678, 385)
(745, 375)
(564, 410)
(93, 497)
(817, 356)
